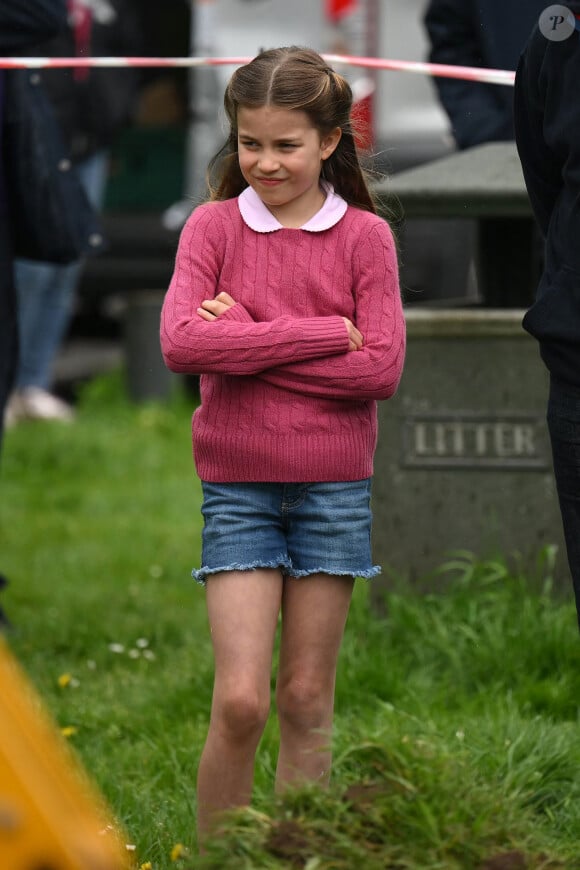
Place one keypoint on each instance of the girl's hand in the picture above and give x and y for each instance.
(212, 308)
(355, 338)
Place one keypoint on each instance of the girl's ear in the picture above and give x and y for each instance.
(329, 143)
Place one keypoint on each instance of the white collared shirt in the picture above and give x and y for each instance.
(260, 219)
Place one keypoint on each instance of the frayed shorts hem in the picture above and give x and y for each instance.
(200, 576)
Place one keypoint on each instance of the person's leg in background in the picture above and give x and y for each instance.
(46, 295)
(564, 427)
(8, 322)
(8, 344)
(45, 302)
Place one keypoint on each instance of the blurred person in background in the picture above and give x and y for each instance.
(488, 34)
(547, 129)
(23, 23)
(479, 33)
(91, 105)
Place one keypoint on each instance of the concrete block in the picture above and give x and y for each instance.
(463, 460)
(146, 374)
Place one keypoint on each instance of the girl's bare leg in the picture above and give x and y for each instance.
(314, 613)
(243, 609)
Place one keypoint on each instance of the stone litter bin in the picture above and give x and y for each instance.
(463, 460)
(146, 374)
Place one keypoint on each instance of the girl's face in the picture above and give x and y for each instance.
(281, 155)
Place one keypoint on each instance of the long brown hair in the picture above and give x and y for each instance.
(298, 79)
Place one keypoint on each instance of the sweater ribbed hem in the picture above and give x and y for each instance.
(262, 459)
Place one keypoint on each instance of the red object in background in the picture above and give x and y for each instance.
(363, 105)
(336, 9)
(81, 17)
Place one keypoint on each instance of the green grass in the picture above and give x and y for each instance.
(456, 741)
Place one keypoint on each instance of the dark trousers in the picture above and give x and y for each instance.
(509, 260)
(564, 427)
(8, 322)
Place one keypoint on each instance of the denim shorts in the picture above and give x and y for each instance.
(300, 528)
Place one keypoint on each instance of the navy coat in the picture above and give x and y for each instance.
(482, 33)
(547, 124)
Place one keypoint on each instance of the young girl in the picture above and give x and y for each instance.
(285, 298)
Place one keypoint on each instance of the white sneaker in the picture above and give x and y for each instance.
(13, 412)
(38, 404)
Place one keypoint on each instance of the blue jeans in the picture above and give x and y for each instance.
(564, 427)
(46, 294)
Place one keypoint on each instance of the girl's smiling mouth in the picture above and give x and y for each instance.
(270, 182)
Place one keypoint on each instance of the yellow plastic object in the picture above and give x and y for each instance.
(51, 818)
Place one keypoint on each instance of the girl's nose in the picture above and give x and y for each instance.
(268, 162)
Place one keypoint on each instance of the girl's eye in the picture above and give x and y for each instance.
(287, 146)
(249, 143)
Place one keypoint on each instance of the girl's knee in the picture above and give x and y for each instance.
(304, 703)
(242, 713)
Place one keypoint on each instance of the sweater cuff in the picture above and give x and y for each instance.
(329, 334)
(237, 313)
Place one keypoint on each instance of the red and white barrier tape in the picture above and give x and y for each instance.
(467, 73)
(438, 70)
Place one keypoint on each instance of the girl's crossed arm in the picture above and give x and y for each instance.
(211, 309)
(201, 335)
(375, 370)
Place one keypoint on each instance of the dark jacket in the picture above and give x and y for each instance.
(547, 124)
(44, 211)
(93, 105)
(22, 24)
(25, 22)
(481, 33)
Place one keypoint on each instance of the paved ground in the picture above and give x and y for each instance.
(83, 358)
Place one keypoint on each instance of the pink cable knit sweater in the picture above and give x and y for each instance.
(282, 398)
